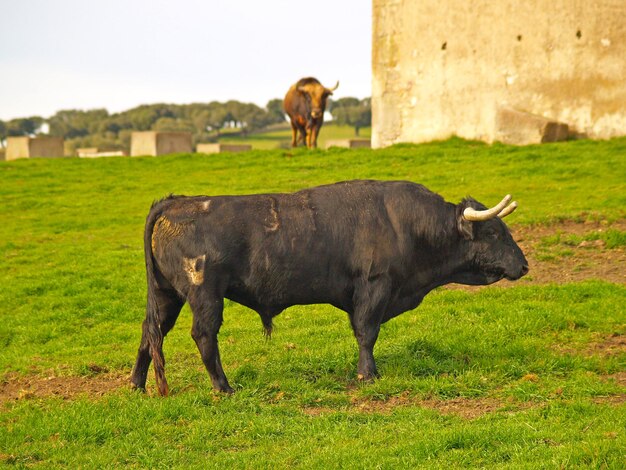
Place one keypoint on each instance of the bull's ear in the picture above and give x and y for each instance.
(464, 226)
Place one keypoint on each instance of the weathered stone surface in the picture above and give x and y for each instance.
(520, 128)
(34, 147)
(94, 152)
(218, 148)
(445, 68)
(154, 143)
(349, 143)
(83, 151)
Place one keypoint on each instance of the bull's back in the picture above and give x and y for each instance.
(278, 249)
(289, 247)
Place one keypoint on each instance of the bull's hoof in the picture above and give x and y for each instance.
(223, 388)
(369, 377)
(137, 388)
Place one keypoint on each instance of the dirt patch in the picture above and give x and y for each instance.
(567, 252)
(604, 346)
(467, 408)
(23, 387)
(609, 346)
(613, 400)
(555, 253)
(471, 408)
(619, 378)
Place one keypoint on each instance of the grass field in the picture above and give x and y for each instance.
(529, 376)
(282, 138)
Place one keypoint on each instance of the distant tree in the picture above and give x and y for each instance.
(352, 112)
(124, 137)
(275, 111)
(111, 125)
(251, 117)
(343, 103)
(173, 124)
(199, 118)
(143, 117)
(23, 126)
(217, 116)
(74, 123)
(236, 112)
(3, 132)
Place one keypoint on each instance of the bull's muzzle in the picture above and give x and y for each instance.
(523, 270)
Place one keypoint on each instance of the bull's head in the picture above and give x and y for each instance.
(493, 253)
(317, 94)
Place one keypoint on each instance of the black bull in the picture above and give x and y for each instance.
(371, 248)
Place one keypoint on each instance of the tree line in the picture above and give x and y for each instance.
(205, 121)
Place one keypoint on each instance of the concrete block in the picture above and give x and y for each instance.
(520, 128)
(349, 143)
(94, 152)
(84, 151)
(218, 148)
(154, 143)
(34, 147)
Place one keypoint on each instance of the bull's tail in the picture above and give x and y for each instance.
(153, 315)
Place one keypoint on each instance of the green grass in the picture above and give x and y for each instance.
(71, 265)
(611, 238)
(562, 245)
(282, 138)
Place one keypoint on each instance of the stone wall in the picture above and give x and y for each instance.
(443, 68)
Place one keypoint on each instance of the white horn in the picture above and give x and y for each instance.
(506, 211)
(474, 215)
(334, 88)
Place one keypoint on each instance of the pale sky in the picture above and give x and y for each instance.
(117, 54)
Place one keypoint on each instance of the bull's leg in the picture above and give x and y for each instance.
(309, 134)
(294, 134)
(370, 301)
(207, 310)
(302, 136)
(169, 306)
(315, 130)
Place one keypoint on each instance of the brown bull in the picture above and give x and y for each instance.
(305, 103)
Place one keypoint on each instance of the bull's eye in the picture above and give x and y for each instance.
(492, 234)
